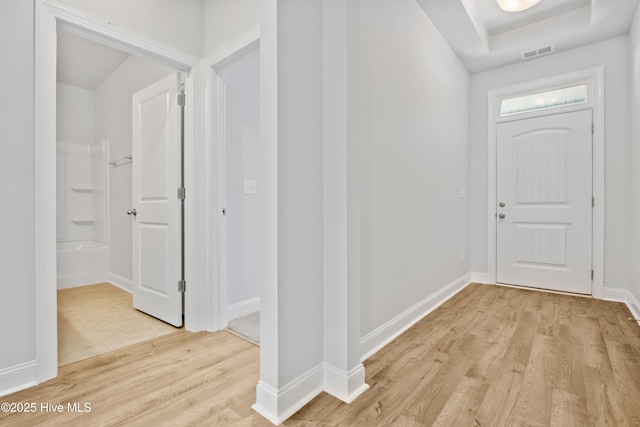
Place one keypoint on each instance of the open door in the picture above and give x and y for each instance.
(157, 201)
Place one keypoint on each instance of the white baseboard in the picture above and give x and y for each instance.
(243, 308)
(625, 296)
(375, 340)
(18, 377)
(346, 386)
(278, 405)
(121, 282)
(477, 277)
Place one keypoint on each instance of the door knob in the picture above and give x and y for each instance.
(502, 205)
(501, 216)
(132, 212)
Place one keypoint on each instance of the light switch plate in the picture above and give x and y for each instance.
(249, 186)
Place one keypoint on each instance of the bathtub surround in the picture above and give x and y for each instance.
(81, 207)
(81, 191)
(82, 262)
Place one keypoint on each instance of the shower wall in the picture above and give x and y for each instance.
(81, 191)
(81, 169)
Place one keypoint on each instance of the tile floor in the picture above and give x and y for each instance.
(99, 318)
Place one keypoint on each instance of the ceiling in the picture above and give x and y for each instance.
(485, 37)
(84, 63)
(482, 35)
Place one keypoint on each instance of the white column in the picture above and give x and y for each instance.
(343, 372)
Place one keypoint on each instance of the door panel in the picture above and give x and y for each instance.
(157, 225)
(544, 229)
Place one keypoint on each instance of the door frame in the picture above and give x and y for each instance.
(49, 17)
(216, 134)
(594, 79)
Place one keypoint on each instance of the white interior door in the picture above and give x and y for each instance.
(157, 245)
(544, 195)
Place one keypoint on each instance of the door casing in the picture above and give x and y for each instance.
(594, 79)
(50, 17)
(216, 134)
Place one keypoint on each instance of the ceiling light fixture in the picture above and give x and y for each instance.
(516, 5)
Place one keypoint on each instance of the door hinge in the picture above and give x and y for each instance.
(182, 193)
(593, 201)
(182, 285)
(593, 128)
(591, 274)
(181, 99)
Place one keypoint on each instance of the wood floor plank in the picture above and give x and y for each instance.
(490, 356)
(461, 408)
(568, 409)
(534, 399)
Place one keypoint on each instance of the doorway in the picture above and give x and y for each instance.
(517, 98)
(100, 159)
(49, 19)
(243, 198)
(544, 193)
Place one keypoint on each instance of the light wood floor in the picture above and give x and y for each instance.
(99, 318)
(490, 356)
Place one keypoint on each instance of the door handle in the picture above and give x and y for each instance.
(501, 216)
(502, 205)
(132, 212)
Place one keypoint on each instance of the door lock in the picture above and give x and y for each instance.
(501, 216)
(502, 205)
(132, 212)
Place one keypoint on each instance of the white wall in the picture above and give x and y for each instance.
(614, 55)
(226, 20)
(113, 121)
(244, 161)
(74, 135)
(74, 114)
(299, 187)
(634, 37)
(177, 23)
(413, 161)
(17, 251)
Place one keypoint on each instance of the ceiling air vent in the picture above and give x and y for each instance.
(537, 52)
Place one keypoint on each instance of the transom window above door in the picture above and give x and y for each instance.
(544, 100)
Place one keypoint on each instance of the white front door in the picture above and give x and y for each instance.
(544, 196)
(157, 246)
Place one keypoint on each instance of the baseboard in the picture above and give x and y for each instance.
(278, 405)
(375, 340)
(344, 385)
(243, 308)
(121, 282)
(18, 377)
(625, 296)
(477, 277)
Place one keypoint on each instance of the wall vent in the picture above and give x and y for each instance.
(544, 50)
